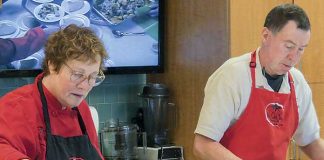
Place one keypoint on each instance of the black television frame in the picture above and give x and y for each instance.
(11, 73)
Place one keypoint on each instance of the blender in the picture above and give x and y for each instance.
(159, 124)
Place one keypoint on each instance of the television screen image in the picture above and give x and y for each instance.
(131, 31)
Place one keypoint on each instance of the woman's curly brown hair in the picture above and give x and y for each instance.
(70, 43)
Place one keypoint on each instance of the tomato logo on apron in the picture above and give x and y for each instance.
(274, 114)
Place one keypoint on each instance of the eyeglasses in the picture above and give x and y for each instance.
(93, 80)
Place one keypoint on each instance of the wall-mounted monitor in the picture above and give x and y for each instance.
(131, 30)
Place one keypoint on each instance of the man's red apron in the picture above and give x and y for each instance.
(265, 127)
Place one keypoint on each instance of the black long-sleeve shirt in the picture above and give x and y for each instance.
(13, 49)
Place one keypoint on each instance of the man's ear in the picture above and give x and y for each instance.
(265, 35)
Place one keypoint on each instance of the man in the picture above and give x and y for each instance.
(254, 104)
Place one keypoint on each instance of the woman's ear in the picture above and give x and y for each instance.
(51, 67)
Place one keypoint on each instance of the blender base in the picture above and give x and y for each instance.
(160, 153)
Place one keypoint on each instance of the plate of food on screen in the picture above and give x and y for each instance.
(116, 12)
(48, 12)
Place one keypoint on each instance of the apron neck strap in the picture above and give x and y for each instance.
(252, 67)
(44, 104)
(45, 111)
(82, 125)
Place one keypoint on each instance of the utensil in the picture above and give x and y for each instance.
(119, 34)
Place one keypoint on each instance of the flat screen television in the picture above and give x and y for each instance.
(131, 30)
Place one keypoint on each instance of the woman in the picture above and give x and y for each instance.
(50, 119)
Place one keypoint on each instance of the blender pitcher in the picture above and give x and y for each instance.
(158, 113)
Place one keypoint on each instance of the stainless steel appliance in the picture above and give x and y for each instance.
(119, 141)
(160, 153)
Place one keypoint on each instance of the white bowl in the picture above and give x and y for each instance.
(69, 7)
(8, 29)
(77, 19)
(27, 21)
(43, 1)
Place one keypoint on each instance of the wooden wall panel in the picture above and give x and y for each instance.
(246, 22)
(199, 37)
(196, 45)
(318, 92)
(313, 56)
(312, 63)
